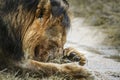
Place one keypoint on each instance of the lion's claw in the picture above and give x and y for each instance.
(74, 56)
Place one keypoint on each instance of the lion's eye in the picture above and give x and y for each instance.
(52, 31)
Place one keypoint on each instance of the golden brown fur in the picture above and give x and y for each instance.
(35, 35)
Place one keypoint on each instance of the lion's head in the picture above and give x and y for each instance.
(35, 28)
(46, 36)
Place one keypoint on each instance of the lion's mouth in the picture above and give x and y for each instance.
(44, 54)
(41, 54)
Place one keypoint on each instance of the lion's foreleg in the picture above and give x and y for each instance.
(71, 69)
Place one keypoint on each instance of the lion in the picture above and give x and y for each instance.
(33, 32)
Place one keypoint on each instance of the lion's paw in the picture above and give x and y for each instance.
(76, 70)
(74, 55)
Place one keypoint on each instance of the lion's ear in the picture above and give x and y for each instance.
(43, 9)
(59, 7)
(55, 7)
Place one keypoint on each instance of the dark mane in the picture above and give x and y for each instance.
(23, 11)
(15, 15)
(12, 5)
(59, 8)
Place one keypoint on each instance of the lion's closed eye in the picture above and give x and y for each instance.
(51, 31)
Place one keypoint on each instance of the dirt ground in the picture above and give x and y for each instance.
(88, 40)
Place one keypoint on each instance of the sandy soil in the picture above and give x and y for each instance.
(88, 40)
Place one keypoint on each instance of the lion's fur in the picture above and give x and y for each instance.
(34, 31)
(16, 18)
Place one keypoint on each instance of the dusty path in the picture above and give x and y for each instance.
(88, 40)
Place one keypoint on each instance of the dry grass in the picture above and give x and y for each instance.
(15, 73)
(7, 76)
(114, 57)
(103, 14)
(10, 75)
